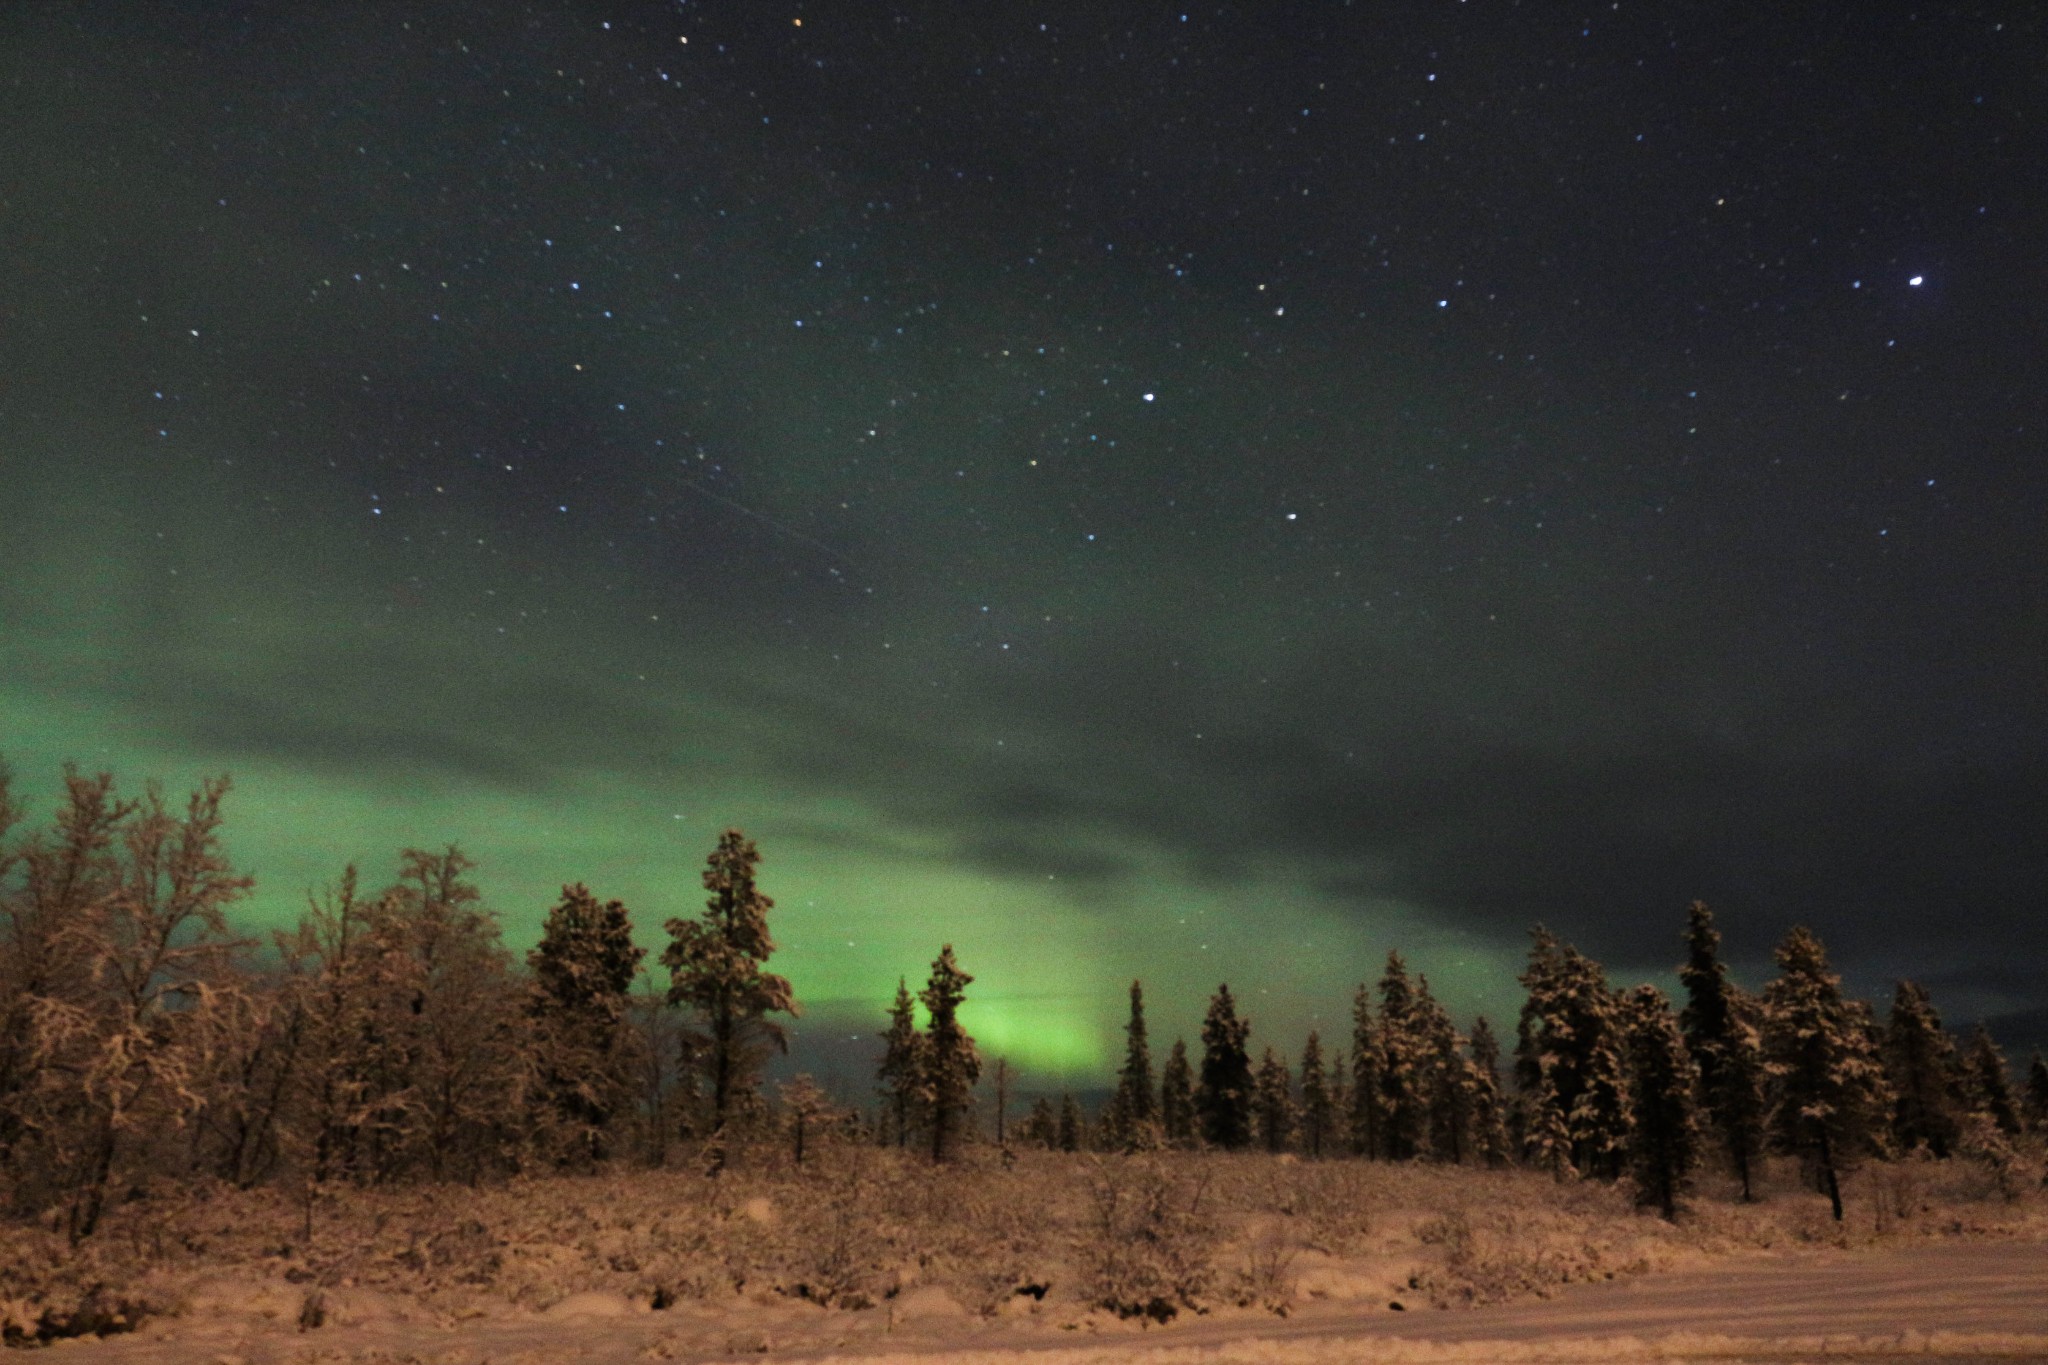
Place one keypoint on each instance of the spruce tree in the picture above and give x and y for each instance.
(1177, 1098)
(1403, 1104)
(1827, 1090)
(715, 973)
(583, 971)
(1988, 1084)
(951, 1065)
(1273, 1103)
(1720, 1030)
(1446, 1079)
(1920, 1064)
(1223, 1101)
(1367, 1098)
(2034, 1108)
(1071, 1135)
(1317, 1114)
(1663, 1145)
(1549, 1133)
(1132, 1120)
(901, 1072)
(1489, 1111)
(1570, 1034)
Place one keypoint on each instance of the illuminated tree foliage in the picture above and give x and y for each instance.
(951, 1065)
(1828, 1094)
(582, 970)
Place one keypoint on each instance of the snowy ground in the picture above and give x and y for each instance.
(985, 1263)
(1928, 1302)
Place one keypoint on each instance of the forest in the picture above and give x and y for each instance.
(152, 1055)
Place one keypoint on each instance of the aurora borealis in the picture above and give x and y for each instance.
(1198, 494)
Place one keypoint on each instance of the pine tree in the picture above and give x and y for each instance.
(1338, 1086)
(1828, 1092)
(1664, 1136)
(1317, 1112)
(1273, 1103)
(951, 1065)
(1071, 1126)
(1223, 1102)
(715, 973)
(1920, 1064)
(2034, 1108)
(1719, 1026)
(1489, 1112)
(1131, 1123)
(1367, 1097)
(1403, 1104)
(1988, 1083)
(583, 971)
(901, 1073)
(1176, 1098)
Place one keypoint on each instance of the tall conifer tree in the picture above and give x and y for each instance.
(1316, 1109)
(1273, 1112)
(1489, 1110)
(2034, 1108)
(951, 1065)
(1988, 1084)
(1920, 1063)
(1177, 1097)
(1664, 1137)
(1367, 1137)
(901, 1073)
(1828, 1092)
(1224, 1099)
(1720, 1031)
(1133, 1117)
(583, 971)
(1404, 1118)
(715, 972)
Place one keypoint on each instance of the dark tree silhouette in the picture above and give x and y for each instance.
(1828, 1092)
(1719, 1026)
(1663, 1144)
(1133, 1118)
(951, 1065)
(901, 1073)
(1920, 1064)
(583, 969)
(1988, 1084)
(1224, 1099)
(715, 972)
(1317, 1113)
(1177, 1097)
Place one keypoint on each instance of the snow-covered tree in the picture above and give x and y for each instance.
(583, 969)
(1570, 1032)
(1367, 1090)
(1988, 1084)
(1131, 1122)
(1317, 1114)
(1177, 1118)
(1446, 1079)
(1223, 1101)
(1719, 1024)
(1403, 1067)
(1489, 1112)
(1829, 1098)
(1920, 1065)
(951, 1064)
(1549, 1134)
(1273, 1103)
(1663, 1144)
(715, 973)
(901, 1072)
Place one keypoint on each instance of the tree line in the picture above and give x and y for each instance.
(390, 1036)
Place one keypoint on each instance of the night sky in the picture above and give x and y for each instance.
(1194, 493)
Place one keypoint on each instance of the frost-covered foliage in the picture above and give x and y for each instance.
(1571, 1038)
(1720, 1024)
(951, 1064)
(582, 972)
(1828, 1094)
(1664, 1137)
